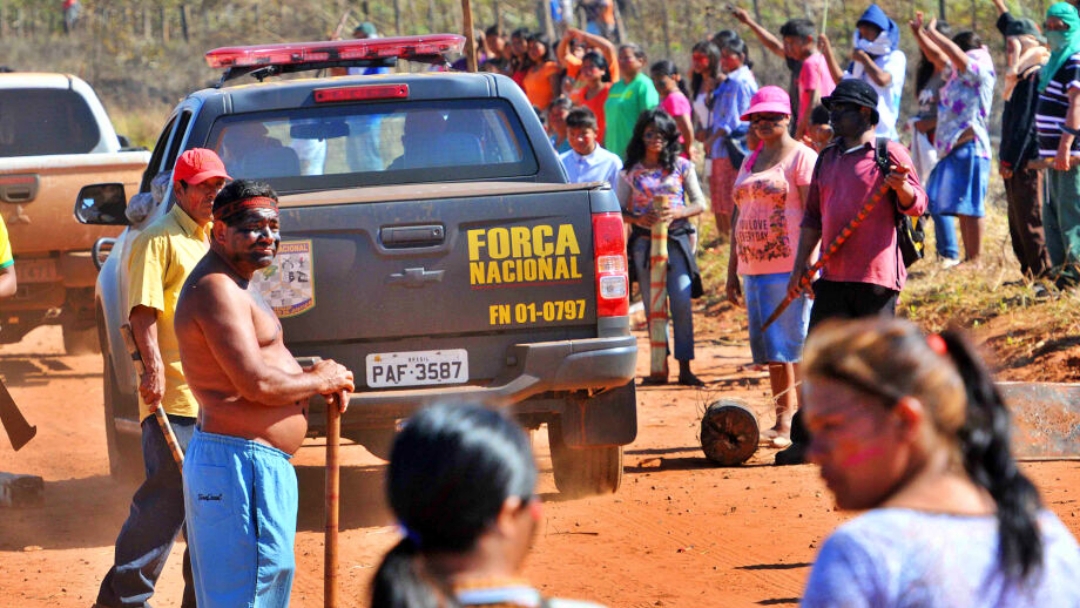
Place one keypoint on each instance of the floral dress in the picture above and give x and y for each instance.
(964, 103)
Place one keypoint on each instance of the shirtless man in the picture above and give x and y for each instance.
(239, 488)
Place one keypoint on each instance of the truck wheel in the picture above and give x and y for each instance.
(125, 453)
(584, 471)
(80, 340)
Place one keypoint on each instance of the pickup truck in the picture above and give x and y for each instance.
(55, 137)
(430, 242)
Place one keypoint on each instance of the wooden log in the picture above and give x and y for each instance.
(729, 433)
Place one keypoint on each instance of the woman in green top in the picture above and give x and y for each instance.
(627, 99)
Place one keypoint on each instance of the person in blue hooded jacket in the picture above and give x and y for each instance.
(876, 60)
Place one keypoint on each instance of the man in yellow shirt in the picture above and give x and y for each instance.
(7, 264)
(162, 256)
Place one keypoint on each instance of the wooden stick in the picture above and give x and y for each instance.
(658, 296)
(333, 487)
(845, 234)
(159, 413)
(470, 36)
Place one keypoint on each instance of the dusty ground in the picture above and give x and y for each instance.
(679, 533)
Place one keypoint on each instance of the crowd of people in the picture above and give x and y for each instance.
(806, 184)
(947, 157)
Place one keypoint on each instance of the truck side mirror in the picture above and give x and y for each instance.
(102, 204)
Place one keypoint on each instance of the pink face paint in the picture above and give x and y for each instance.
(862, 456)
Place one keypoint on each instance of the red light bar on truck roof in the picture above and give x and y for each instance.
(295, 53)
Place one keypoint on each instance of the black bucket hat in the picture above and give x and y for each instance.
(854, 91)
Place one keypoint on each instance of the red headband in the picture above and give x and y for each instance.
(228, 211)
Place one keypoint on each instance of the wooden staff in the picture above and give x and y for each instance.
(470, 36)
(159, 414)
(658, 296)
(845, 234)
(334, 407)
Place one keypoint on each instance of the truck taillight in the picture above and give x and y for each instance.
(612, 281)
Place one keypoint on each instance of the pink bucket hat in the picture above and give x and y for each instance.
(768, 100)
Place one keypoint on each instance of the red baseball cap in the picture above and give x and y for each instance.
(197, 165)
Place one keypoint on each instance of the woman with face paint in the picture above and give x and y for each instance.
(912, 429)
(876, 60)
(1057, 119)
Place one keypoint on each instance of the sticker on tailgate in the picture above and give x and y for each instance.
(288, 284)
(523, 255)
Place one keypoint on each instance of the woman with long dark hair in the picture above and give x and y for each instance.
(597, 73)
(655, 170)
(462, 484)
(542, 82)
(912, 429)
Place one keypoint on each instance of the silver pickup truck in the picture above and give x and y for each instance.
(430, 242)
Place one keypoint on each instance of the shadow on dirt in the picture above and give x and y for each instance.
(36, 370)
(362, 502)
(77, 513)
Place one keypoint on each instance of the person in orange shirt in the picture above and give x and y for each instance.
(542, 79)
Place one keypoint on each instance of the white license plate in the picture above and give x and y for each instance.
(417, 368)
(35, 270)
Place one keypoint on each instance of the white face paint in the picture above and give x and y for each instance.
(877, 47)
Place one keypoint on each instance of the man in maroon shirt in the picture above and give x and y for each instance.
(865, 275)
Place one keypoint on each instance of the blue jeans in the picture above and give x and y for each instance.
(156, 517)
(678, 286)
(948, 246)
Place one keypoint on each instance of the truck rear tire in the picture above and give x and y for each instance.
(125, 453)
(584, 471)
(80, 340)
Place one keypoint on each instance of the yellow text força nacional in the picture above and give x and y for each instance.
(523, 254)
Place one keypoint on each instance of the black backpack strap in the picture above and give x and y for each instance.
(881, 155)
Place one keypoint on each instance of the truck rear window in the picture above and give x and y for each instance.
(36, 122)
(382, 143)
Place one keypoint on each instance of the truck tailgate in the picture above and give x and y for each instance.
(36, 194)
(453, 281)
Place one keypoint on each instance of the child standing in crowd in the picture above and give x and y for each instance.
(912, 429)
(556, 123)
(821, 132)
(727, 138)
(587, 161)
(673, 100)
(770, 197)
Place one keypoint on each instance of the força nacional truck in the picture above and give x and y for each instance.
(430, 243)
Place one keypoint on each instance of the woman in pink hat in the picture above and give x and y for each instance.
(770, 193)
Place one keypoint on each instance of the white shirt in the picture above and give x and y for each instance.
(600, 166)
(888, 107)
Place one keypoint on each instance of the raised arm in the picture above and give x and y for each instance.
(1000, 6)
(956, 56)
(825, 46)
(934, 53)
(766, 37)
(225, 317)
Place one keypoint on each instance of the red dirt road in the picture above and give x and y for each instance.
(679, 533)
